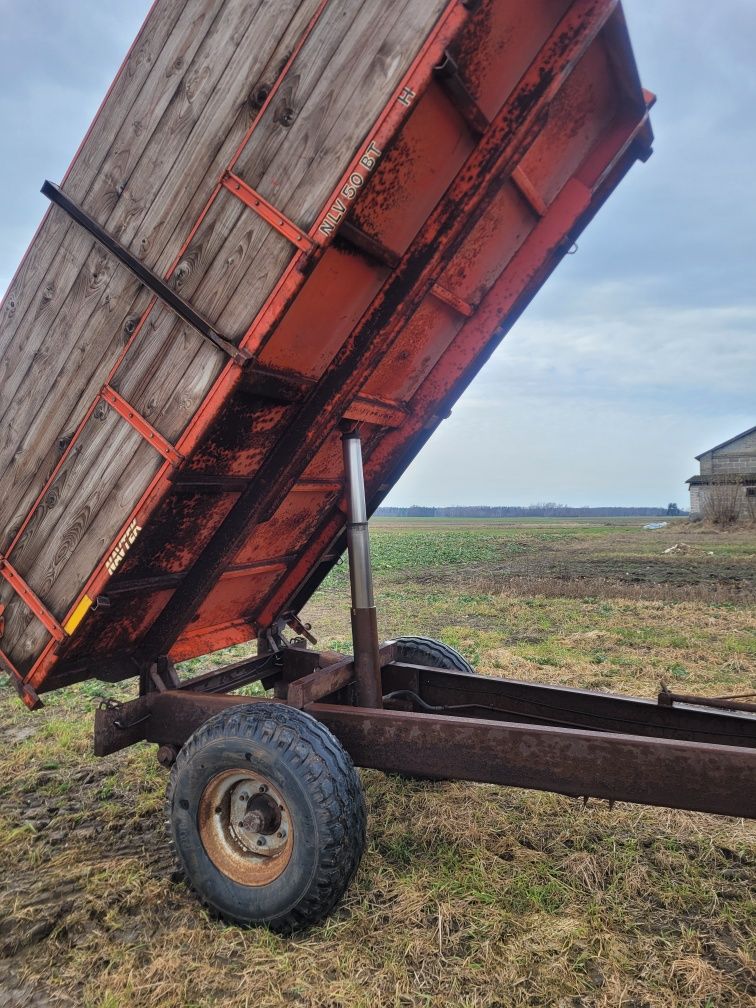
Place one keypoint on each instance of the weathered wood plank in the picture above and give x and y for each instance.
(77, 492)
(96, 536)
(51, 290)
(129, 82)
(197, 95)
(229, 112)
(78, 380)
(34, 363)
(126, 149)
(24, 635)
(74, 530)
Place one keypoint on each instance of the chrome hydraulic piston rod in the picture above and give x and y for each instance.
(367, 664)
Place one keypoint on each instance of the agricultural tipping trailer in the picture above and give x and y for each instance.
(293, 234)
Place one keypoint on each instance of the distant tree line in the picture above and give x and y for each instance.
(546, 510)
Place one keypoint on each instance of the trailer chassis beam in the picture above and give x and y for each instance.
(701, 777)
(477, 728)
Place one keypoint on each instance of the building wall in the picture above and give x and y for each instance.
(736, 459)
(696, 502)
(700, 496)
(740, 456)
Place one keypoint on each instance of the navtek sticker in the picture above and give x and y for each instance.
(122, 547)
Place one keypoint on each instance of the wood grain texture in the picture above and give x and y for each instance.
(95, 189)
(179, 109)
(151, 40)
(228, 114)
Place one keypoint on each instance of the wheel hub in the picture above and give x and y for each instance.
(245, 827)
(255, 818)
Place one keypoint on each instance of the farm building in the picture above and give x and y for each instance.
(725, 488)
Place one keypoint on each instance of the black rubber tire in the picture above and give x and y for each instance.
(323, 792)
(433, 653)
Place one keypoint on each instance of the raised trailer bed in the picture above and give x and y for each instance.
(291, 237)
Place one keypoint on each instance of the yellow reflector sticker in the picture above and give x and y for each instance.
(77, 615)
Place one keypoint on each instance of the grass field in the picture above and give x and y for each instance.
(469, 895)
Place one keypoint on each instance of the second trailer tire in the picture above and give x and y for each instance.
(432, 653)
(267, 816)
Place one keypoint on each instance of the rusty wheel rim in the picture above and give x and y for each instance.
(245, 827)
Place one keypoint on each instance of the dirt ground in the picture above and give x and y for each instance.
(468, 895)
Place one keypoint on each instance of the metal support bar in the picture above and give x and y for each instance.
(320, 683)
(529, 192)
(367, 662)
(191, 482)
(372, 247)
(277, 386)
(268, 212)
(475, 696)
(316, 486)
(141, 426)
(448, 297)
(31, 601)
(372, 410)
(731, 703)
(150, 280)
(447, 74)
(262, 668)
(703, 777)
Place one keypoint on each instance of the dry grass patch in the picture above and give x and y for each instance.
(469, 895)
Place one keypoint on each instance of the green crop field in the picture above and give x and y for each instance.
(469, 895)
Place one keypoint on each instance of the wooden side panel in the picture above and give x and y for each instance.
(176, 117)
(159, 34)
(451, 236)
(73, 333)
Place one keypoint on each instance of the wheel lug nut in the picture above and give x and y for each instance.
(263, 787)
(261, 842)
(244, 796)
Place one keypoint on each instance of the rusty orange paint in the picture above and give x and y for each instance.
(465, 223)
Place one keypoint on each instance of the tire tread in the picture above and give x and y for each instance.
(321, 761)
(438, 654)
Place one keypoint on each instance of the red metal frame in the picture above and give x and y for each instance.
(141, 425)
(496, 155)
(278, 221)
(453, 370)
(395, 113)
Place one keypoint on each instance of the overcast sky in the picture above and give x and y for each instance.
(638, 354)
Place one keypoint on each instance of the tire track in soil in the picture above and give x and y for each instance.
(45, 895)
